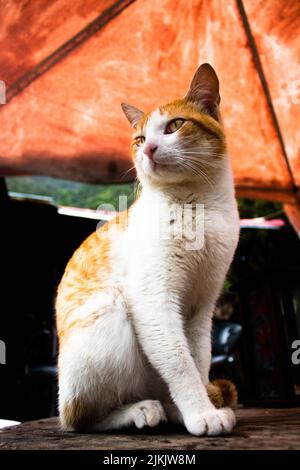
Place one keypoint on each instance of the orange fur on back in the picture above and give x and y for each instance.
(87, 273)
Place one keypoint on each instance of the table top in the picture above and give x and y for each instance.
(257, 428)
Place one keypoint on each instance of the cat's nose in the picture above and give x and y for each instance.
(149, 150)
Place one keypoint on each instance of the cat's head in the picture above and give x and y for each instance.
(181, 141)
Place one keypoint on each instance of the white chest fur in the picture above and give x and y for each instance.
(182, 244)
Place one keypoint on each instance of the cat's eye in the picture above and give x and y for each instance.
(174, 125)
(139, 140)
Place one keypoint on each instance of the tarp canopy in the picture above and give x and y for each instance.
(67, 66)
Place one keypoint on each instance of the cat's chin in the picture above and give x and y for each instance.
(162, 177)
(157, 172)
(162, 173)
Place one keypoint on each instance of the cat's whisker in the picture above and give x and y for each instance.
(197, 171)
(194, 163)
(126, 172)
(218, 165)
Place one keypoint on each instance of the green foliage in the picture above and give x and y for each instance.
(68, 193)
(249, 208)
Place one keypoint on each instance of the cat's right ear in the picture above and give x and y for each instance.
(132, 113)
(204, 90)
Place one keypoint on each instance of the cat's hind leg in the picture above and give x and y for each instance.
(102, 374)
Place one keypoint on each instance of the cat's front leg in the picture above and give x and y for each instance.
(198, 331)
(160, 331)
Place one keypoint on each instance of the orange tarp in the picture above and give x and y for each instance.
(68, 65)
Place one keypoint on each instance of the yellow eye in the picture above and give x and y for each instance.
(174, 125)
(139, 140)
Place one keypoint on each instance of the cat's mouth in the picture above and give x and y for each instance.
(157, 168)
(156, 162)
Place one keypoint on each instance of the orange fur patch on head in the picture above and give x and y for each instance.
(142, 123)
(190, 112)
(196, 123)
(139, 131)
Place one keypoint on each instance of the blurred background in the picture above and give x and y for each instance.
(64, 151)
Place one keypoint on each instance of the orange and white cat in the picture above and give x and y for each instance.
(134, 308)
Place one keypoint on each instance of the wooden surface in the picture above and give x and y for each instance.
(257, 428)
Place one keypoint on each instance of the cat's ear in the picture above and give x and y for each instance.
(132, 113)
(204, 90)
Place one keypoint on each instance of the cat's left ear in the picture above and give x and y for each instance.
(132, 113)
(204, 90)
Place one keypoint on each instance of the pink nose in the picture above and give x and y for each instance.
(149, 150)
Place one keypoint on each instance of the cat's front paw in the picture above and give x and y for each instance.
(212, 422)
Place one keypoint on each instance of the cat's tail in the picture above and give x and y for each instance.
(222, 393)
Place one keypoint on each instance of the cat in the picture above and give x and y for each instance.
(134, 308)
